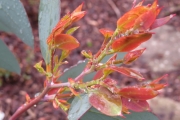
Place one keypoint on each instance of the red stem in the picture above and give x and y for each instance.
(22, 109)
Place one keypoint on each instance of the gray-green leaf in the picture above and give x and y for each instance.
(7, 59)
(93, 114)
(13, 18)
(79, 106)
(49, 15)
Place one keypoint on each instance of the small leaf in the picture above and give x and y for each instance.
(8, 60)
(132, 55)
(49, 14)
(126, 71)
(104, 101)
(155, 85)
(161, 21)
(77, 14)
(27, 98)
(128, 43)
(106, 32)
(78, 107)
(72, 30)
(135, 105)
(65, 42)
(39, 67)
(13, 18)
(138, 93)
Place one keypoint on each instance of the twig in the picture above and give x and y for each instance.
(114, 7)
(24, 108)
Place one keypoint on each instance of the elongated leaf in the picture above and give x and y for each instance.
(161, 21)
(75, 70)
(7, 59)
(123, 70)
(93, 114)
(49, 15)
(138, 93)
(78, 107)
(13, 19)
(128, 43)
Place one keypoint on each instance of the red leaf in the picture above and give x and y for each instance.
(104, 101)
(106, 32)
(127, 20)
(128, 43)
(155, 85)
(126, 71)
(53, 91)
(145, 20)
(98, 75)
(132, 55)
(61, 25)
(65, 42)
(79, 8)
(135, 105)
(161, 21)
(138, 93)
(77, 14)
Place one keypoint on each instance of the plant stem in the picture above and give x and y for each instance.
(25, 107)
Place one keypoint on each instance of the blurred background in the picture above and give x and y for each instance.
(162, 56)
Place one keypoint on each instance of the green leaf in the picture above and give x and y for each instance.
(13, 18)
(79, 106)
(8, 60)
(75, 70)
(93, 114)
(49, 15)
(72, 30)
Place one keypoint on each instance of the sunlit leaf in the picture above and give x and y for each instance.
(128, 43)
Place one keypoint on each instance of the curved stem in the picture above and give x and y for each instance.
(25, 107)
